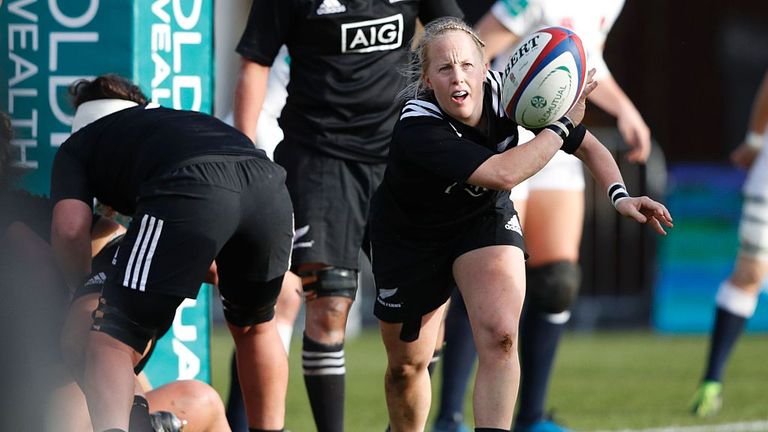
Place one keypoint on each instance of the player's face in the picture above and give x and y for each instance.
(456, 73)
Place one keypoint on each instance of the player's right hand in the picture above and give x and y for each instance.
(743, 156)
(576, 113)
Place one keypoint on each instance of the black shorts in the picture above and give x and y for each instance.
(331, 199)
(415, 277)
(235, 210)
(101, 269)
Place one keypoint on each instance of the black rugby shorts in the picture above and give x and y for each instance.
(331, 200)
(415, 277)
(236, 210)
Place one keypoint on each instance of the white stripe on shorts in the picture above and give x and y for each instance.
(129, 267)
(144, 247)
(152, 247)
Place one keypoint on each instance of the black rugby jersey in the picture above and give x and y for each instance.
(110, 158)
(346, 57)
(424, 193)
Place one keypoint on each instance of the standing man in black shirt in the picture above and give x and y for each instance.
(345, 61)
(197, 191)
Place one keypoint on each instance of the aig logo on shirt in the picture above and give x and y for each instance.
(381, 34)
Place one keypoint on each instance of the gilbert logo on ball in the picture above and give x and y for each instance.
(544, 77)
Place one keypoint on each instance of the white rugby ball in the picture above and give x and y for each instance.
(544, 77)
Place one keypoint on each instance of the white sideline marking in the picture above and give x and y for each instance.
(755, 426)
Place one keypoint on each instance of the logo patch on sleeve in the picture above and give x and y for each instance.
(381, 34)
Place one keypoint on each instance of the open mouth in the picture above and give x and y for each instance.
(459, 96)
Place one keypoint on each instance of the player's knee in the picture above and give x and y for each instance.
(553, 287)
(243, 316)
(330, 282)
(138, 330)
(407, 369)
(204, 397)
(248, 310)
(498, 341)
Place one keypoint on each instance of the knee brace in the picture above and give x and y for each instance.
(553, 287)
(248, 310)
(135, 329)
(331, 281)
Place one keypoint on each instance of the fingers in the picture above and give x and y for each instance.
(657, 212)
(590, 84)
(654, 222)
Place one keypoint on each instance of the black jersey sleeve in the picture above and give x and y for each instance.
(434, 145)
(69, 179)
(266, 30)
(432, 9)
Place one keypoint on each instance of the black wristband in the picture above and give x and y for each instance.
(559, 129)
(573, 142)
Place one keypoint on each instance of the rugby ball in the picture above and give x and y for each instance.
(544, 77)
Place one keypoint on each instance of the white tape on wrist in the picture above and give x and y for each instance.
(617, 192)
(755, 140)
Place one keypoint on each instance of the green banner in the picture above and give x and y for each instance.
(184, 352)
(166, 46)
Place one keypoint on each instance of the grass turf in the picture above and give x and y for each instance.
(602, 381)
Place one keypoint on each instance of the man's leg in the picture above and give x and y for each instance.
(458, 362)
(329, 295)
(286, 310)
(406, 381)
(736, 302)
(124, 323)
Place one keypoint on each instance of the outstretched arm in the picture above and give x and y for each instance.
(606, 173)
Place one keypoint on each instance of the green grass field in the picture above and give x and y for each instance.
(602, 381)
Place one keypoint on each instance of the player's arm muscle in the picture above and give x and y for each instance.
(250, 91)
(495, 35)
(71, 239)
(599, 161)
(508, 169)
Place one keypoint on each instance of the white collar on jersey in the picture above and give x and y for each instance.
(89, 112)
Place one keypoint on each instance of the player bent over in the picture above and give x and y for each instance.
(197, 190)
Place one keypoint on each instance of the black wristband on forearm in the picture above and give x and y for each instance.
(573, 142)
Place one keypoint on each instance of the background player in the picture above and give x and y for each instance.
(555, 199)
(737, 296)
(25, 230)
(197, 190)
(337, 119)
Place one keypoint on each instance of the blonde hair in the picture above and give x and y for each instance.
(417, 67)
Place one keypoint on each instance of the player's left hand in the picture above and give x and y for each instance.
(646, 210)
(635, 133)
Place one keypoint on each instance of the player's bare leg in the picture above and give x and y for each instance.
(406, 381)
(193, 401)
(492, 282)
(287, 308)
(263, 369)
(109, 381)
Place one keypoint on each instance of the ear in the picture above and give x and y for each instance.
(425, 79)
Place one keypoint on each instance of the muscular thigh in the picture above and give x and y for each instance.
(553, 225)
